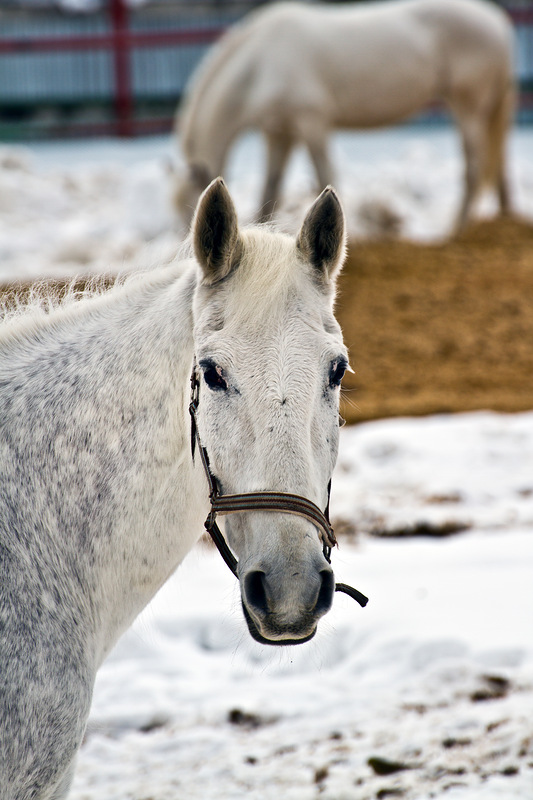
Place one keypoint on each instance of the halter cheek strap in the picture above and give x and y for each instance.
(255, 501)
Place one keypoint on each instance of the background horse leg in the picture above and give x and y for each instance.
(316, 140)
(279, 146)
(474, 142)
(503, 194)
(484, 130)
(500, 126)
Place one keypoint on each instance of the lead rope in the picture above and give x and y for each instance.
(252, 501)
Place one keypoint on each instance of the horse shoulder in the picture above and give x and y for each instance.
(260, 68)
(291, 67)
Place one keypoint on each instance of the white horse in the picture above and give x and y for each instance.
(100, 495)
(295, 72)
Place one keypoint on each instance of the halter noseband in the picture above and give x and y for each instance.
(255, 501)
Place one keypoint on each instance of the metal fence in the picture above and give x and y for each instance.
(123, 70)
(115, 70)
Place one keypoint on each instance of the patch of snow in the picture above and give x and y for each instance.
(106, 207)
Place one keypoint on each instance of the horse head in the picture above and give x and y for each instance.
(271, 359)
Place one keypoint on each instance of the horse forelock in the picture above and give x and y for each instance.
(270, 271)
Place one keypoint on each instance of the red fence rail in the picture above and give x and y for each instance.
(120, 41)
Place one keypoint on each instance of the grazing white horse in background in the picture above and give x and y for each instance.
(100, 495)
(296, 72)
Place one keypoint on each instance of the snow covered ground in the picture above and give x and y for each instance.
(428, 691)
(105, 206)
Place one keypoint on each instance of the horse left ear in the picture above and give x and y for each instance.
(322, 237)
(216, 232)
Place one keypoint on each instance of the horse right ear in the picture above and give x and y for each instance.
(215, 232)
(322, 237)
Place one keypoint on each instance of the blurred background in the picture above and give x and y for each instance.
(89, 67)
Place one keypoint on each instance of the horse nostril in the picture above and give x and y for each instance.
(255, 591)
(325, 594)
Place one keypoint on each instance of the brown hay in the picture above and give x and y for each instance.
(440, 328)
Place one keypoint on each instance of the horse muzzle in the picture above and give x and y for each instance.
(270, 618)
(287, 617)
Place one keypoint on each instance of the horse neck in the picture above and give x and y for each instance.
(207, 133)
(208, 122)
(165, 503)
(108, 452)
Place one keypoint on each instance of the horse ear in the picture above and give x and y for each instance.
(215, 232)
(322, 237)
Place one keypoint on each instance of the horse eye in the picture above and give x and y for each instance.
(336, 372)
(214, 376)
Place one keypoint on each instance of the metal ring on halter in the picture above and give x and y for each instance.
(283, 502)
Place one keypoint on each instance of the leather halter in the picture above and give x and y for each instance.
(258, 501)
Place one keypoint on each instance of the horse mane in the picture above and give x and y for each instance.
(21, 302)
(44, 296)
(268, 274)
(25, 309)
